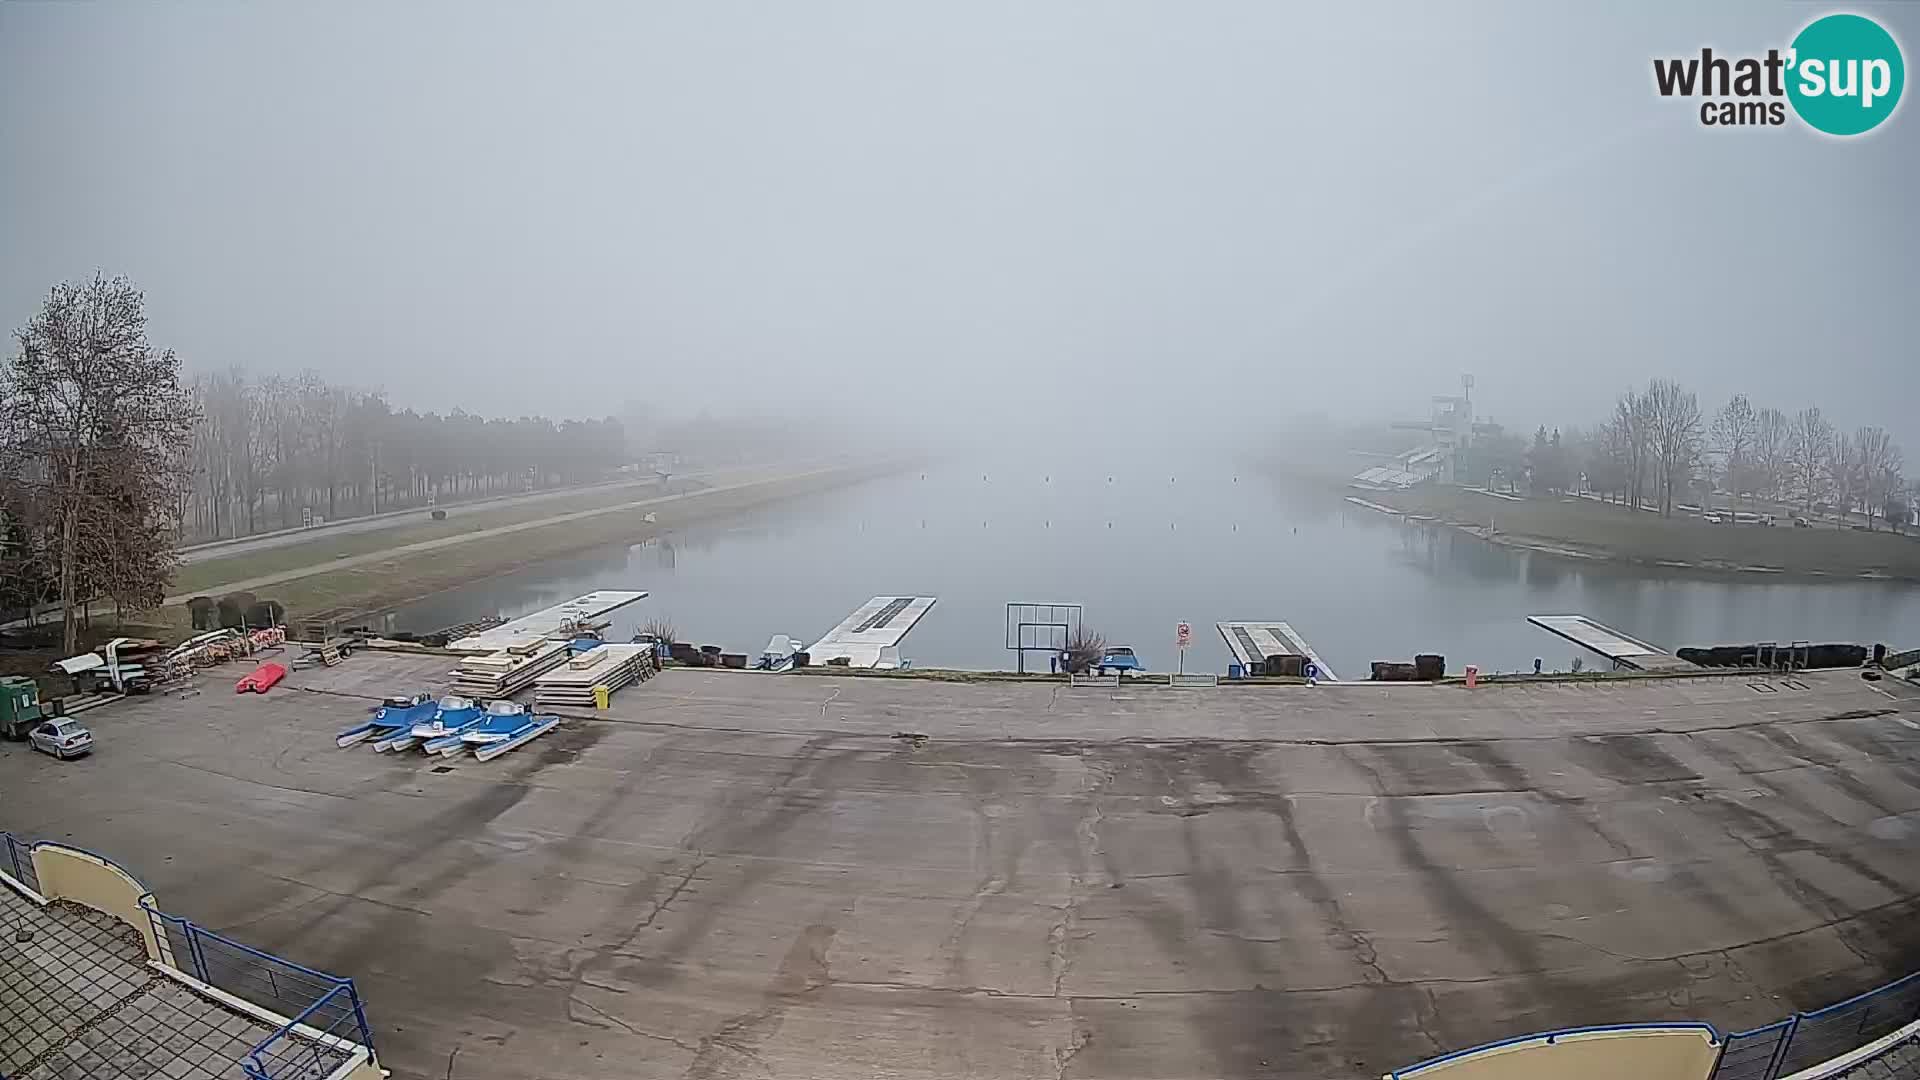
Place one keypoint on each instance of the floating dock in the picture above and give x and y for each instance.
(556, 621)
(870, 637)
(1374, 506)
(1624, 650)
(1252, 642)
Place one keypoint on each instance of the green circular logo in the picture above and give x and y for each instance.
(1845, 75)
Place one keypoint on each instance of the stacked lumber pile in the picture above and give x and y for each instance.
(611, 666)
(506, 672)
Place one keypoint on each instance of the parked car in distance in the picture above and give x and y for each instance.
(63, 738)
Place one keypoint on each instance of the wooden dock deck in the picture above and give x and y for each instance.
(1624, 650)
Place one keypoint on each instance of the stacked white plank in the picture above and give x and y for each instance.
(509, 670)
(612, 666)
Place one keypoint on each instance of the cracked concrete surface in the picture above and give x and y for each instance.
(734, 875)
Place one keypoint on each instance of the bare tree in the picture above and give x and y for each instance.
(1082, 650)
(1898, 507)
(1607, 458)
(1632, 424)
(1842, 481)
(1879, 461)
(1770, 442)
(1674, 436)
(102, 423)
(1735, 428)
(1809, 447)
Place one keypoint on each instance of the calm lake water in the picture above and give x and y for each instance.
(1144, 546)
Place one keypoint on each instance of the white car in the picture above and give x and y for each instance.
(63, 738)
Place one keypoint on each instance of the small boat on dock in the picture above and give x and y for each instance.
(392, 715)
(779, 653)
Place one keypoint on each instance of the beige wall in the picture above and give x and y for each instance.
(1640, 1054)
(69, 874)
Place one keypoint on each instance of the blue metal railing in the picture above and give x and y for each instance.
(1753, 1055)
(326, 1009)
(328, 1017)
(1807, 1039)
(16, 858)
(314, 1043)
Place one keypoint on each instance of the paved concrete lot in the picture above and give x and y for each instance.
(746, 875)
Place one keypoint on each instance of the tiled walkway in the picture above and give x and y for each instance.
(78, 1001)
(1899, 1063)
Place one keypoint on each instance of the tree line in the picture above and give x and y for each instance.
(268, 450)
(1658, 448)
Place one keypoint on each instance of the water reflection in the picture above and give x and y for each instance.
(1147, 549)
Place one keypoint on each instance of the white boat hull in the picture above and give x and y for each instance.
(488, 753)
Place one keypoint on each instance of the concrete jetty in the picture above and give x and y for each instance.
(871, 636)
(1624, 650)
(1252, 642)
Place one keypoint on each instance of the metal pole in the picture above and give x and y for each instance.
(199, 956)
(1780, 1052)
(360, 1017)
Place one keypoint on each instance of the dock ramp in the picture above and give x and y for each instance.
(1626, 652)
(1251, 643)
(870, 637)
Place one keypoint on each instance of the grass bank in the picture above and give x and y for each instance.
(221, 569)
(1583, 528)
(372, 583)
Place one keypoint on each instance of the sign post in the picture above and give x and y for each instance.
(1183, 637)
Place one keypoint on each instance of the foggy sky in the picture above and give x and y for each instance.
(1127, 217)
